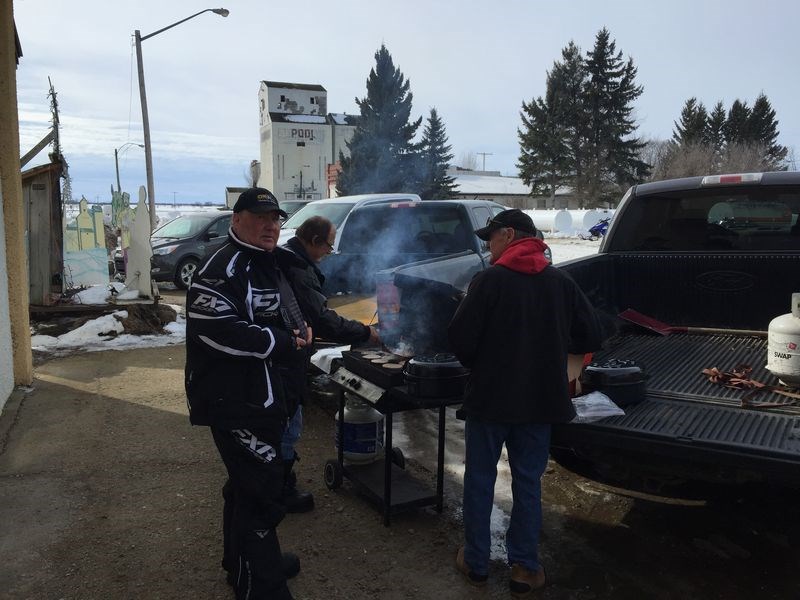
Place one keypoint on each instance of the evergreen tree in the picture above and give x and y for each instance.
(383, 157)
(737, 125)
(435, 157)
(716, 127)
(763, 130)
(612, 150)
(693, 125)
(544, 161)
(553, 128)
(568, 82)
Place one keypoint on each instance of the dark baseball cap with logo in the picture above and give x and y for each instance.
(258, 200)
(512, 217)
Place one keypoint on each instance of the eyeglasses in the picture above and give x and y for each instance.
(329, 245)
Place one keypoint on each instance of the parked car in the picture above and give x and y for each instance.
(336, 211)
(180, 245)
(292, 206)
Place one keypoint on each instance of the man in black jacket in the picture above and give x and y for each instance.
(313, 241)
(520, 319)
(242, 325)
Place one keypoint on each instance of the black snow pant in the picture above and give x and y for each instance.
(252, 510)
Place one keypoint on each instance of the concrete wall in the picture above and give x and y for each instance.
(300, 148)
(6, 362)
(15, 262)
(265, 140)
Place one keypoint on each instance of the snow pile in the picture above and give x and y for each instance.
(107, 333)
(97, 294)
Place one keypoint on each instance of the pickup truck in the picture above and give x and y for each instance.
(715, 252)
(381, 235)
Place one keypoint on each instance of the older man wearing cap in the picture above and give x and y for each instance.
(242, 325)
(514, 329)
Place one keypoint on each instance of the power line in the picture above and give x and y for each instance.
(484, 155)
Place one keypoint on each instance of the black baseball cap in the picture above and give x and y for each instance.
(513, 217)
(258, 200)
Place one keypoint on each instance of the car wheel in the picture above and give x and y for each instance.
(185, 272)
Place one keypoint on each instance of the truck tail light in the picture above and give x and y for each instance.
(731, 179)
(388, 300)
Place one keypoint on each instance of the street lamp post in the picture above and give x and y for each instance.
(116, 159)
(148, 154)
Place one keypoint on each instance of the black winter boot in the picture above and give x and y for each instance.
(294, 500)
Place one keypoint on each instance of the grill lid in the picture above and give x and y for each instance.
(613, 372)
(435, 365)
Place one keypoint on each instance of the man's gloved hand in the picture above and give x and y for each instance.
(374, 337)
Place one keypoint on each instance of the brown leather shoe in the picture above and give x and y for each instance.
(463, 568)
(523, 582)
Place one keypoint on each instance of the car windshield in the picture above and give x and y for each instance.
(335, 212)
(183, 227)
(292, 206)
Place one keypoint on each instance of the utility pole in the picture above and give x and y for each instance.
(148, 155)
(484, 155)
(173, 199)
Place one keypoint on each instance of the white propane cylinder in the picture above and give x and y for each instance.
(363, 431)
(783, 345)
(551, 220)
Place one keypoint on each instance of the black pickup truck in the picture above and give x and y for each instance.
(717, 252)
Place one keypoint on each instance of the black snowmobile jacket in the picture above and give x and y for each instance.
(238, 340)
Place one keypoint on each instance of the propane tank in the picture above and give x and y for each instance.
(783, 345)
(363, 431)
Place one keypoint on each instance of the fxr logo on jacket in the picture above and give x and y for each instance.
(265, 302)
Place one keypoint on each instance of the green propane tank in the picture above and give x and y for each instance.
(363, 431)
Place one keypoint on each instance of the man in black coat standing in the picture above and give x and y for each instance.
(244, 331)
(520, 319)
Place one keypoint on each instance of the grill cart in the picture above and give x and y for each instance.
(382, 380)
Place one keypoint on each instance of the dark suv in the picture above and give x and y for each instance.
(180, 245)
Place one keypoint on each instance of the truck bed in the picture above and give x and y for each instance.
(690, 424)
(674, 365)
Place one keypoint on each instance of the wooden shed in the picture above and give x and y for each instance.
(41, 195)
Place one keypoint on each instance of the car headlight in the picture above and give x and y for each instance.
(164, 250)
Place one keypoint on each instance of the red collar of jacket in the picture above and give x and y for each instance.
(524, 256)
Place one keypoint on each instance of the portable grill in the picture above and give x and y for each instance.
(379, 378)
(384, 369)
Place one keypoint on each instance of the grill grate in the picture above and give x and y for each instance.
(357, 362)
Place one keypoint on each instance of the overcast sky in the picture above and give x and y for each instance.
(475, 61)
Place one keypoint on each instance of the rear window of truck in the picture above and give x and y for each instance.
(759, 218)
(407, 228)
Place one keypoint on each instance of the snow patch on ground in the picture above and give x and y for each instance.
(97, 294)
(107, 333)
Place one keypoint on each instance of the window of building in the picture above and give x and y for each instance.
(283, 98)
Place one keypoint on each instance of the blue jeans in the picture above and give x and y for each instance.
(528, 447)
(294, 427)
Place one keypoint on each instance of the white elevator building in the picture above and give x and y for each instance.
(299, 140)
